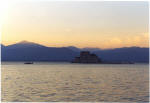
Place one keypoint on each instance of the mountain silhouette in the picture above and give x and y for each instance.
(29, 51)
(24, 44)
(74, 48)
(132, 54)
(2, 46)
(90, 49)
(83, 49)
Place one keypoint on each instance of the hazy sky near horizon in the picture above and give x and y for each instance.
(77, 23)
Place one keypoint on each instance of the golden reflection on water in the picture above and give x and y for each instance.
(64, 82)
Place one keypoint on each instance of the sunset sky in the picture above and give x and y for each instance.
(77, 23)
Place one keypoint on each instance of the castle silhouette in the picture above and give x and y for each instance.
(86, 57)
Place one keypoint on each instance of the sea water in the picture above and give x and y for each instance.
(67, 82)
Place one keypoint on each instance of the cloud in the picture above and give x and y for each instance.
(141, 40)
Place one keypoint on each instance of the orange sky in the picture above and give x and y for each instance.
(81, 24)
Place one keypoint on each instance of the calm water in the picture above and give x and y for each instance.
(48, 82)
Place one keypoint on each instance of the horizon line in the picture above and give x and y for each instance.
(25, 41)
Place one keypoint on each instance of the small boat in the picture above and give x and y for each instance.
(28, 63)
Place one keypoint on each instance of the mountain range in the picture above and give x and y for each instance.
(29, 51)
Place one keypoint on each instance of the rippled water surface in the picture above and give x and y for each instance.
(63, 82)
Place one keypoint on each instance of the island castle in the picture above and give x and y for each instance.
(86, 57)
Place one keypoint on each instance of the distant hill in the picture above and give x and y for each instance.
(25, 44)
(73, 48)
(90, 49)
(132, 54)
(83, 49)
(2, 46)
(29, 51)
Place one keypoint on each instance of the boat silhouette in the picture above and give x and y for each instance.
(28, 63)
